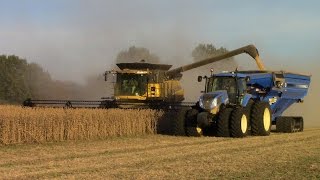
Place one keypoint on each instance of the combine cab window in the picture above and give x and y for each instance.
(131, 85)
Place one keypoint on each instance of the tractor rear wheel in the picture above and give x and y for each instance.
(191, 125)
(261, 119)
(223, 123)
(239, 123)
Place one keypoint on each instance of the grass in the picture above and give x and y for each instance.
(279, 156)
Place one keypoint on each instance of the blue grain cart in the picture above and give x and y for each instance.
(235, 104)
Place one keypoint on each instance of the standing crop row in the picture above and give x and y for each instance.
(27, 125)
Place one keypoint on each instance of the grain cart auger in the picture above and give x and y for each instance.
(247, 102)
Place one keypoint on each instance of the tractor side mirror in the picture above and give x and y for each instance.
(247, 78)
(105, 76)
(199, 78)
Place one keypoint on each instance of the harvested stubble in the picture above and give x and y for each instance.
(27, 125)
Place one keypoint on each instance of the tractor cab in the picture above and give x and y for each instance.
(224, 88)
(235, 86)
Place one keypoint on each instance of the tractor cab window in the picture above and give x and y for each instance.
(131, 84)
(228, 84)
(242, 85)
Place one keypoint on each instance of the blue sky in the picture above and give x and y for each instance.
(72, 39)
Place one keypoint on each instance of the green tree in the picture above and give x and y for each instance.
(136, 54)
(13, 87)
(203, 51)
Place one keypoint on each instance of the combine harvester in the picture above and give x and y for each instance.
(220, 111)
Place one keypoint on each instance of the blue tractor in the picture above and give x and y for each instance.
(239, 103)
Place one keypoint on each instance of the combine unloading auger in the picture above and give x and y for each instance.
(140, 85)
(251, 50)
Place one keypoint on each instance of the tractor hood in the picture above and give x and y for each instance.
(212, 100)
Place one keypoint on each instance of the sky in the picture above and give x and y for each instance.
(72, 39)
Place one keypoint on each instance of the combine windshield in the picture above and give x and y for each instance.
(131, 84)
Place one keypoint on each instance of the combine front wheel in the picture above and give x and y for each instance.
(261, 119)
(178, 122)
(191, 127)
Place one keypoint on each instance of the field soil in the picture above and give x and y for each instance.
(279, 156)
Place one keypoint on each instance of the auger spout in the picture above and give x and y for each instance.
(250, 49)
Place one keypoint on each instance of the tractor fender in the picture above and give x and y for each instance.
(246, 98)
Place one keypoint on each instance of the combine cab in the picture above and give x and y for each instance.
(247, 102)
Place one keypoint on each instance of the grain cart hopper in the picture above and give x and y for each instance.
(242, 102)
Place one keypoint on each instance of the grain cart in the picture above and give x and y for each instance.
(242, 102)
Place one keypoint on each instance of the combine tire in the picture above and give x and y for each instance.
(191, 127)
(261, 119)
(239, 123)
(223, 123)
(178, 122)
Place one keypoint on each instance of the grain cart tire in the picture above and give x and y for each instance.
(223, 122)
(280, 124)
(301, 127)
(178, 122)
(261, 119)
(191, 127)
(285, 124)
(239, 123)
(289, 125)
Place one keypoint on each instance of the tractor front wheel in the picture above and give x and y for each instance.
(223, 122)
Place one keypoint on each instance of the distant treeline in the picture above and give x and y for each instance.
(20, 80)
